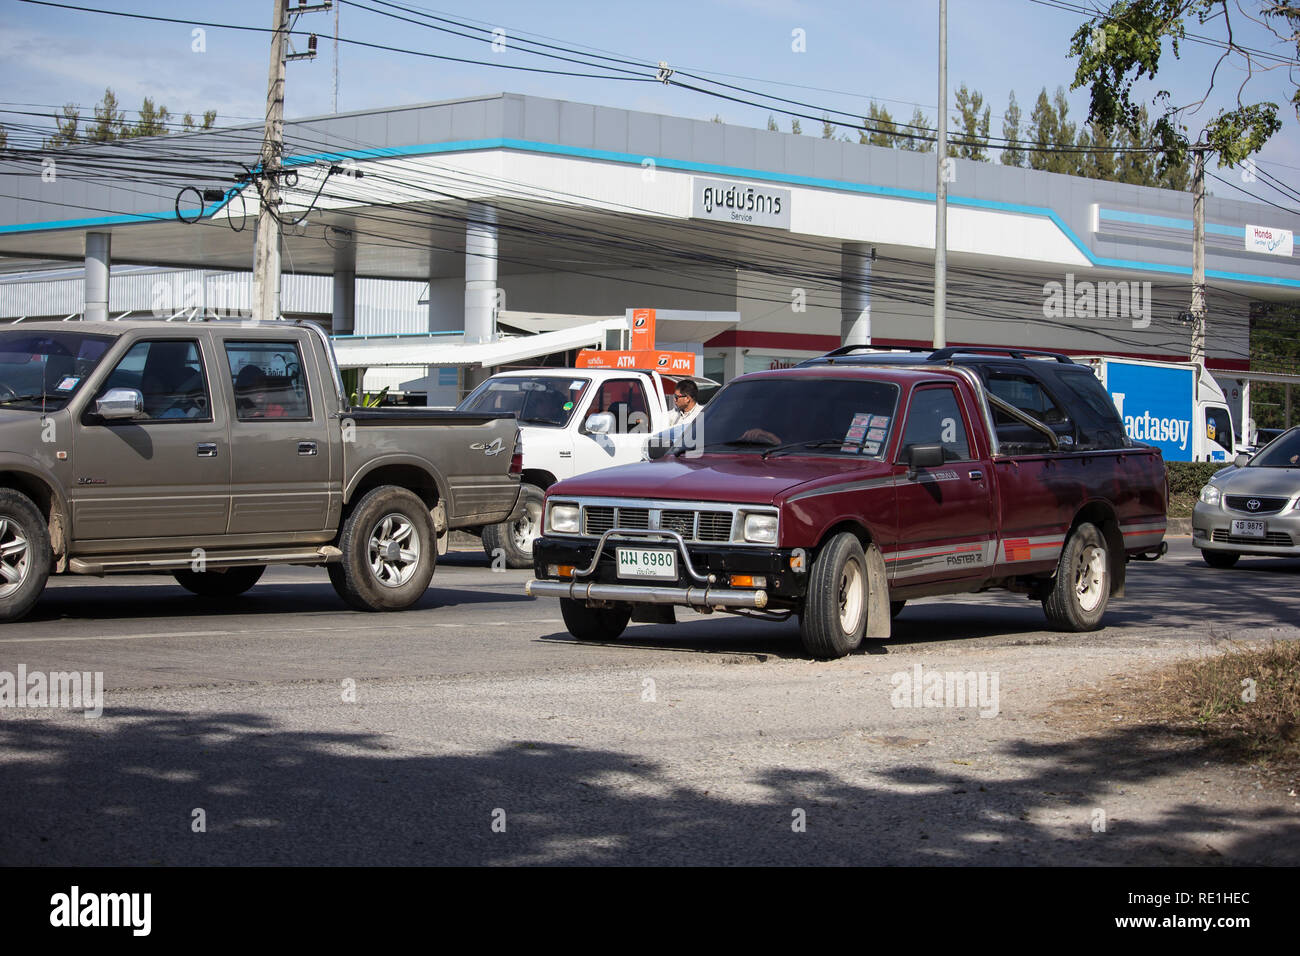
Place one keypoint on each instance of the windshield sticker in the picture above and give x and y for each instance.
(67, 385)
(876, 434)
(879, 421)
(860, 418)
(568, 406)
(871, 448)
(855, 433)
(576, 385)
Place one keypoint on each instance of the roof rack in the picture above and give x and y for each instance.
(850, 349)
(944, 354)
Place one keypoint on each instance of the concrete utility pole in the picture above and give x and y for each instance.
(336, 56)
(266, 252)
(941, 190)
(1197, 351)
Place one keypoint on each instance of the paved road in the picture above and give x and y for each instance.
(307, 733)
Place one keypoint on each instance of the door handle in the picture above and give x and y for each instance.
(976, 475)
(206, 449)
(306, 448)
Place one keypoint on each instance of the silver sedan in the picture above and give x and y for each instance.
(1252, 507)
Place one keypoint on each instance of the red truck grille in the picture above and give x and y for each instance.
(710, 526)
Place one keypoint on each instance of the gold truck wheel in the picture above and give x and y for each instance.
(388, 551)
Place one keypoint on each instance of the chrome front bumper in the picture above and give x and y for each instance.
(640, 594)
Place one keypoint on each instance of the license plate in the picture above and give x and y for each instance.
(1248, 529)
(647, 563)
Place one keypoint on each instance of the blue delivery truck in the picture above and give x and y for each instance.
(1175, 406)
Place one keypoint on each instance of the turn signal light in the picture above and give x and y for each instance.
(797, 561)
(560, 570)
(748, 581)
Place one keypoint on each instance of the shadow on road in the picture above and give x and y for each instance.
(123, 790)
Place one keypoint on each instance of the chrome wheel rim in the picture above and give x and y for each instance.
(1090, 578)
(394, 550)
(15, 557)
(850, 597)
(526, 526)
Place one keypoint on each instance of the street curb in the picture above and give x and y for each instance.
(1178, 526)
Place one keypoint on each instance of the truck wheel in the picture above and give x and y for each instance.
(25, 554)
(1081, 589)
(388, 551)
(834, 616)
(514, 539)
(594, 623)
(1219, 559)
(228, 583)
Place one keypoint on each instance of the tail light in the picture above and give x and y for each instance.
(517, 459)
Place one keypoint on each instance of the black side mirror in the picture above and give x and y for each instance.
(923, 456)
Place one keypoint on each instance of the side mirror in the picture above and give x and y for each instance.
(1241, 461)
(923, 456)
(601, 423)
(120, 403)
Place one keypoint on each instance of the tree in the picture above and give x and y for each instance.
(717, 118)
(1012, 154)
(828, 128)
(881, 128)
(919, 126)
(795, 127)
(110, 122)
(973, 126)
(65, 128)
(1044, 130)
(1122, 47)
(153, 120)
(4, 136)
(209, 118)
(771, 124)
(1099, 160)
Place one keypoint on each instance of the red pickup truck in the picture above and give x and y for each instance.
(840, 491)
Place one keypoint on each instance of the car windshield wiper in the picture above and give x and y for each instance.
(34, 397)
(810, 443)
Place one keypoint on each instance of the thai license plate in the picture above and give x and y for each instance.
(647, 563)
(1248, 529)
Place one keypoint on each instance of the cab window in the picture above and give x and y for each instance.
(935, 418)
(625, 399)
(1218, 427)
(169, 375)
(268, 381)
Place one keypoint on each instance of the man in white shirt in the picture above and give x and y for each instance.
(686, 399)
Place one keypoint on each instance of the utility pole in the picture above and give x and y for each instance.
(266, 252)
(1197, 352)
(941, 190)
(337, 7)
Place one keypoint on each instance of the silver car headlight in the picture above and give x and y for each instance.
(1211, 495)
(564, 518)
(761, 529)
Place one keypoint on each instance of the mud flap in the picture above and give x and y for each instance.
(653, 614)
(878, 621)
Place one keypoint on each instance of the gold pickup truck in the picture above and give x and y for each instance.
(213, 449)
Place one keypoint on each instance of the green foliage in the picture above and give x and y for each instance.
(4, 136)
(1274, 347)
(828, 128)
(795, 127)
(110, 123)
(771, 123)
(1012, 154)
(920, 124)
(1186, 479)
(972, 126)
(1124, 46)
(882, 126)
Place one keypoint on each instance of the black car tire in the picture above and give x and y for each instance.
(514, 538)
(370, 576)
(1081, 589)
(1219, 559)
(594, 623)
(230, 582)
(24, 534)
(834, 617)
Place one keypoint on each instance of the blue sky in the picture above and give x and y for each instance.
(854, 51)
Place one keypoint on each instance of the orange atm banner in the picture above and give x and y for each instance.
(671, 363)
(643, 329)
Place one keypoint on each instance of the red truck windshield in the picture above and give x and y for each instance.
(819, 415)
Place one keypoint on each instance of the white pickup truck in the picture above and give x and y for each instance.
(563, 436)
